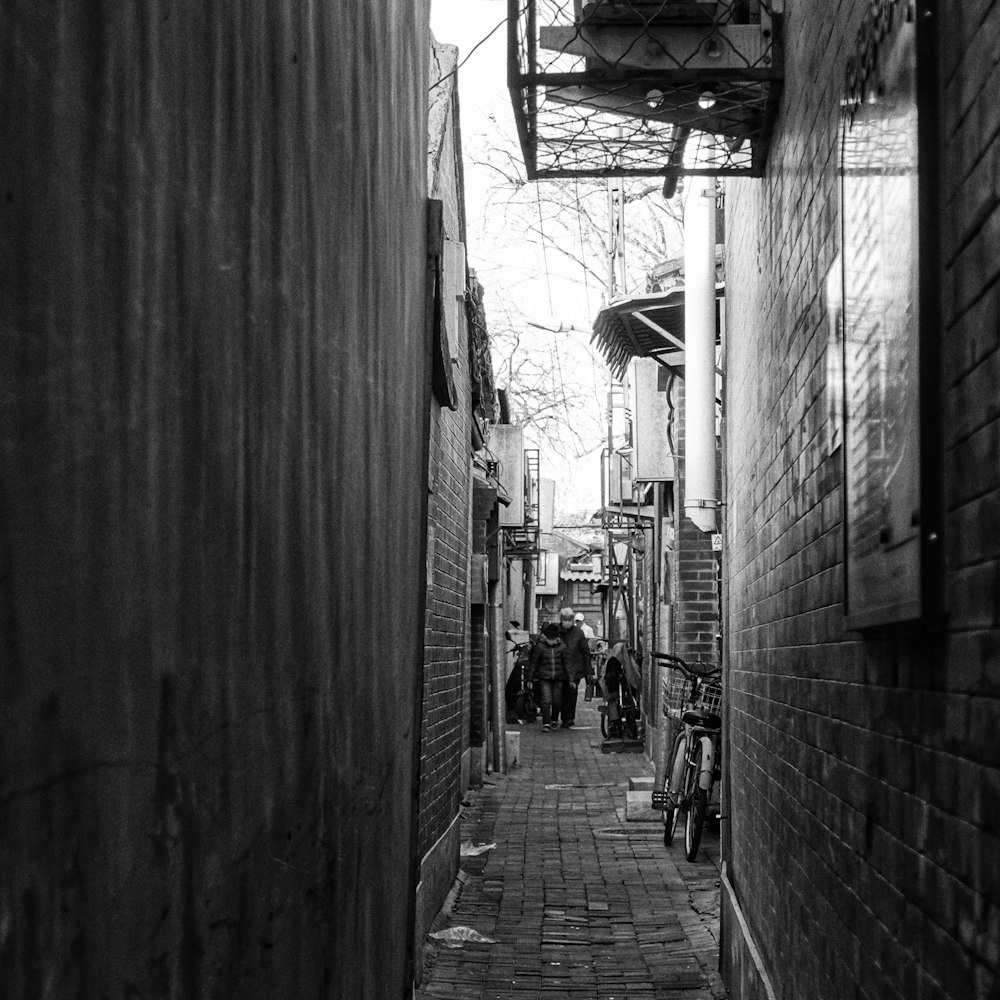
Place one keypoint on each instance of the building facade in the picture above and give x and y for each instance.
(863, 472)
(461, 634)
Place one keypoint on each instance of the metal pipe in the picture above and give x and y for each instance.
(498, 679)
(701, 495)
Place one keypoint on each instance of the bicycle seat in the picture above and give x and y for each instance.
(706, 720)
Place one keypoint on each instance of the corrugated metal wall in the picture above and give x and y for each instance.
(213, 430)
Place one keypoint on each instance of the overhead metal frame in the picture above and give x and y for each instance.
(644, 87)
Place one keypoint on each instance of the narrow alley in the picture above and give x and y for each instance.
(576, 899)
(347, 347)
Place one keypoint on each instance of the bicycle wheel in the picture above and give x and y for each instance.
(526, 708)
(672, 782)
(695, 820)
(631, 724)
(611, 727)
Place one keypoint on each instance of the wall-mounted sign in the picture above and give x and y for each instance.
(881, 315)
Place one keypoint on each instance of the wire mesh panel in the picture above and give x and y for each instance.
(675, 690)
(708, 697)
(644, 87)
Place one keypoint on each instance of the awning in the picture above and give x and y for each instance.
(646, 326)
(583, 569)
(580, 575)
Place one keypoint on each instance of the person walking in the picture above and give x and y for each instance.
(547, 663)
(581, 624)
(578, 665)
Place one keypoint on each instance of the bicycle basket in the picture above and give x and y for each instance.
(709, 697)
(677, 694)
(675, 691)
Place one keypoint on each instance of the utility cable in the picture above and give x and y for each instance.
(583, 251)
(545, 256)
(481, 41)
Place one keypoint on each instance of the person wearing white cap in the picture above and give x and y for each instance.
(582, 625)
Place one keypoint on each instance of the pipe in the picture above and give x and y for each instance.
(701, 495)
(498, 679)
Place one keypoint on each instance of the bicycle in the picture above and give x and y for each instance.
(693, 697)
(521, 698)
(620, 713)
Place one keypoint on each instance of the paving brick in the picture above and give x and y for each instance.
(580, 903)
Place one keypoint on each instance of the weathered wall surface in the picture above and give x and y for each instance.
(864, 772)
(447, 634)
(447, 641)
(212, 420)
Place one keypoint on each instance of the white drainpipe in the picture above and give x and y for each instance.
(701, 496)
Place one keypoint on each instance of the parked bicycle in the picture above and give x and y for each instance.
(620, 682)
(521, 697)
(693, 696)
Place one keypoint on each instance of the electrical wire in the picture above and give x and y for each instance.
(583, 252)
(545, 256)
(481, 41)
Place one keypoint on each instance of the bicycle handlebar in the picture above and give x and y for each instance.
(690, 670)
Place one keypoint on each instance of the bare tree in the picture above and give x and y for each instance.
(556, 382)
(569, 219)
(553, 380)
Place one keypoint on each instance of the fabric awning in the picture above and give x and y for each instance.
(646, 326)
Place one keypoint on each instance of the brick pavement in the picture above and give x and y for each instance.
(579, 902)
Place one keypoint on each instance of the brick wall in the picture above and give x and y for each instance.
(863, 776)
(447, 651)
(447, 633)
(484, 502)
(447, 640)
(695, 583)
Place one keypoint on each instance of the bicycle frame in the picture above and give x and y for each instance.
(693, 738)
(695, 758)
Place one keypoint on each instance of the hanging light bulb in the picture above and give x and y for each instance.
(654, 98)
(706, 100)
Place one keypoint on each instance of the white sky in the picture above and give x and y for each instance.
(485, 106)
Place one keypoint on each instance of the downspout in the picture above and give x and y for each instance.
(498, 679)
(701, 495)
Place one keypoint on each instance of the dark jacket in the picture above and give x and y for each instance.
(577, 645)
(548, 660)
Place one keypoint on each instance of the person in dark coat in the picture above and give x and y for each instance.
(578, 664)
(547, 664)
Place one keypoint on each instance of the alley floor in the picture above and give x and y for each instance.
(576, 901)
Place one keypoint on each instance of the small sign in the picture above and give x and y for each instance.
(717, 543)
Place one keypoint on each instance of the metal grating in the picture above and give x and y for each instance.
(644, 87)
(522, 542)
